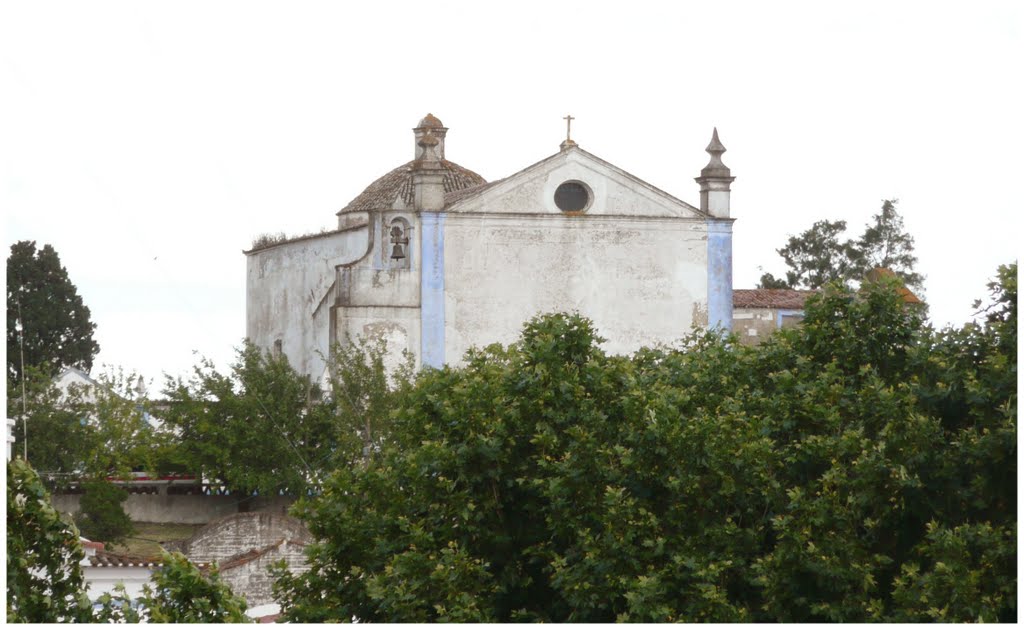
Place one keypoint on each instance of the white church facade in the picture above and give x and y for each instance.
(435, 260)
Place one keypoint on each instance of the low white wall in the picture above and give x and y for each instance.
(192, 509)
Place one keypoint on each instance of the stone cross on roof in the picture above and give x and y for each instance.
(568, 130)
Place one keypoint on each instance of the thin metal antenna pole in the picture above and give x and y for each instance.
(24, 408)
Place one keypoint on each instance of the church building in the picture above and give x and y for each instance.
(435, 260)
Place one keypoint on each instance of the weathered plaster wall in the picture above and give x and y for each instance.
(376, 301)
(640, 280)
(289, 294)
(634, 261)
(398, 327)
(754, 325)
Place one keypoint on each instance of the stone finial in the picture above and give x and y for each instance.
(715, 167)
(430, 126)
(427, 169)
(715, 180)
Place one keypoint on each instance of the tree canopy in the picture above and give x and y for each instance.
(860, 467)
(820, 254)
(44, 574)
(92, 431)
(265, 428)
(53, 320)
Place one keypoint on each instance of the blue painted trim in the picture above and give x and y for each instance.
(720, 274)
(784, 313)
(432, 289)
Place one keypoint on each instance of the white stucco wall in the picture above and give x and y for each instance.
(642, 281)
(634, 262)
(100, 580)
(287, 294)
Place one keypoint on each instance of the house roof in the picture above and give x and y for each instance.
(382, 193)
(104, 558)
(770, 298)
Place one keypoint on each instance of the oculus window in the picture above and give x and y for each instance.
(572, 197)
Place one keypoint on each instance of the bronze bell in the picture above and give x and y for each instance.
(397, 252)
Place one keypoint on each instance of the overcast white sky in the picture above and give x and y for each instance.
(150, 142)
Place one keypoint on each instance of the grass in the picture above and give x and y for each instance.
(145, 542)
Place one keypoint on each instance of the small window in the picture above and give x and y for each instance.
(572, 197)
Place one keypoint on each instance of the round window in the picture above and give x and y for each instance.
(572, 197)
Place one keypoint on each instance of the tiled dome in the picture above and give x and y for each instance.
(383, 193)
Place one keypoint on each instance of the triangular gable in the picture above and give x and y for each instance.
(614, 192)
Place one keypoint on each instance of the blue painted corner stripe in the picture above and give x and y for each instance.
(432, 290)
(720, 274)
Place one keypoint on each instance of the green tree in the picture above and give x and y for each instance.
(265, 428)
(89, 431)
(102, 516)
(124, 440)
(851, 469)
(44, 305)
(260, 429)
(886, 243)
(44, 574)
(816, 257)
(820, 255)
(61, 437)
(362, 395)
(181, 593)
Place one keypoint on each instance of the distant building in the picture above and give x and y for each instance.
(433, 259)
(756, 313)
(759, 312)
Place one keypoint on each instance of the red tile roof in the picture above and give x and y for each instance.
(770, 298)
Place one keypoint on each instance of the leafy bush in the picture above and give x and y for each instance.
(44, 572)
(102, 516)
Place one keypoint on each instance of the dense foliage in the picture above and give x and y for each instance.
(102, 516)
(860, 467)
(93, 431)
(44, 575)
(54, 322)
(265, 428)
(819, 255)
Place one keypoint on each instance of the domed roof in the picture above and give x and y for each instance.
(430, 121)
(384, 193)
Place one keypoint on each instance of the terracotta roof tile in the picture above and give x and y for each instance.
(770, 298)
(381, 194)
(110, 559)
(459, 195)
